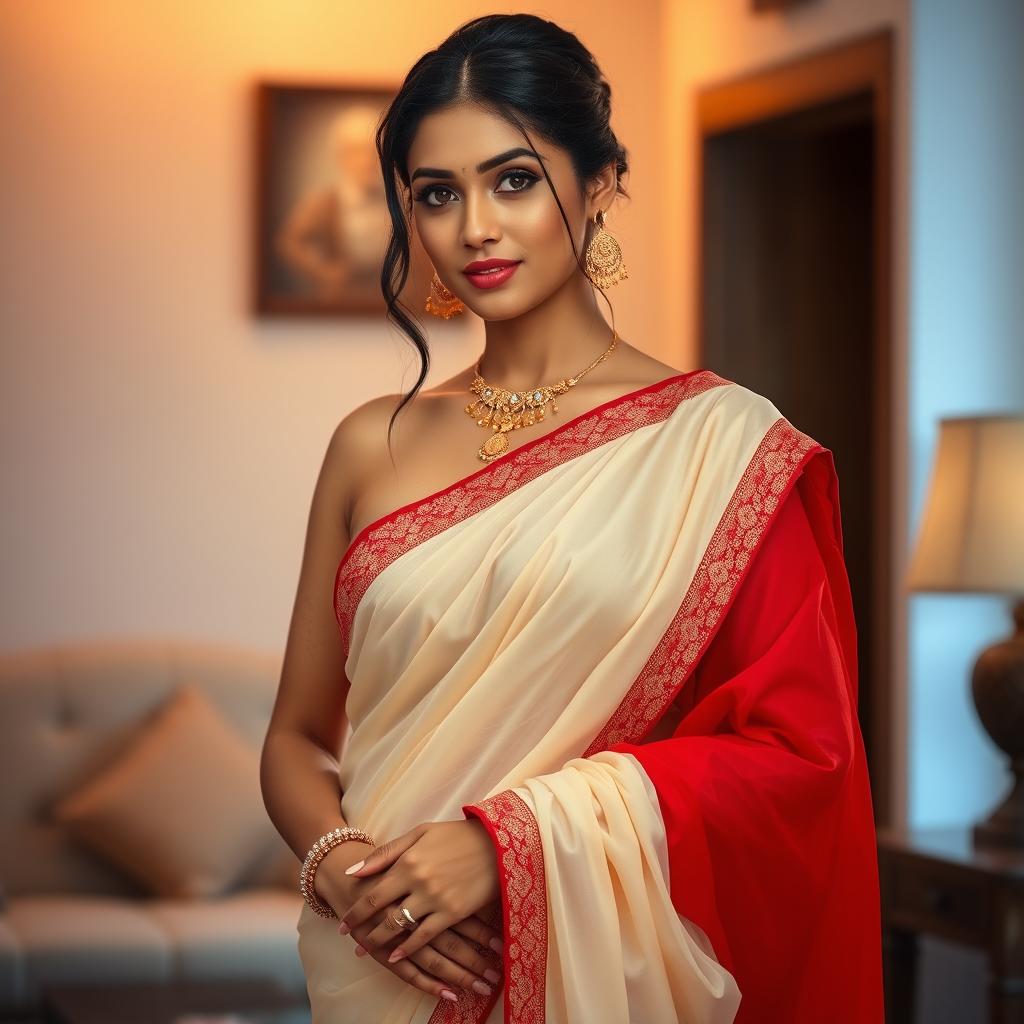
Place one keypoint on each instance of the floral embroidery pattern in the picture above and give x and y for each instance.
(773, 468)
(516, 838)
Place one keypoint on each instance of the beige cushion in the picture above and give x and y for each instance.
(181, 808)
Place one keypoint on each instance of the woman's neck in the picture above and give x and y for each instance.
(551, 341)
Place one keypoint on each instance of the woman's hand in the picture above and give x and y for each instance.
(442, 872)
(449, 961)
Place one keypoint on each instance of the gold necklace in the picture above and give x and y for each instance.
(503, 410)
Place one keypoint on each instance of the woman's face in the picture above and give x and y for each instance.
(464, 214)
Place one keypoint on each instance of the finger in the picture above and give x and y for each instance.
(464, 953)
(389, 927)
(449, 959)
(384, 856)
(430, 927)
(479, 931)
(408, 971)
(378, 897)
(437, 964)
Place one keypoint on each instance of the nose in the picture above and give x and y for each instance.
(480, 224)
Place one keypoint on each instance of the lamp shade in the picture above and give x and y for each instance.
(972, 531)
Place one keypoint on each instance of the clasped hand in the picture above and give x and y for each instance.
(441, 871)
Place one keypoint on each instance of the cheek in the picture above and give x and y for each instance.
(542, 220)
(542, 235)
(430, 235)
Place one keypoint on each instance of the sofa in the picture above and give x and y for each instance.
(67, 914)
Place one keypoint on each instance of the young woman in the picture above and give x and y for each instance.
(595, 674)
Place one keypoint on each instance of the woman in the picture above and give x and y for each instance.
(598, 695)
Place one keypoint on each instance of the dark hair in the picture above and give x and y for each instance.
(531, 73)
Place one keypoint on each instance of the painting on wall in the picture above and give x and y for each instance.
(776, 5)
(321, 222)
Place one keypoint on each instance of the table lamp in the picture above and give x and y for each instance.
(972, 540)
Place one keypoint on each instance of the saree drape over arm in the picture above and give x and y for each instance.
(628, 648)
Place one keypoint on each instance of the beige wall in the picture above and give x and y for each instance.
(161, 444)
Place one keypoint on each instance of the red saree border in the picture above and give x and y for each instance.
(380, 542)
(773, 470)
(781, 456)
(516, 838)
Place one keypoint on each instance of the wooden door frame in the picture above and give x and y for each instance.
(861, 65)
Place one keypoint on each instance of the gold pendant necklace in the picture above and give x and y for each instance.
(503, 410)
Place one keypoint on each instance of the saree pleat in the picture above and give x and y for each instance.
(512, 644)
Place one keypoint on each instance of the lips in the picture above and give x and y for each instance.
(491, 264)
(490, 273)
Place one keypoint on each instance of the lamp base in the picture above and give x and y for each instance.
(998, 689)
(1004, 827)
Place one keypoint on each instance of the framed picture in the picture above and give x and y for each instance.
(776, 5)
(321, 221)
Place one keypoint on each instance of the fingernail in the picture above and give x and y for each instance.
(449, 995)
(484, 990)
(360, 951)
(396, 956)
(344, 928)
(355, 867)
(497, 945)
(492, 976)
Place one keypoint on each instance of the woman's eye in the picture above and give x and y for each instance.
(426, 194)
(522, 176)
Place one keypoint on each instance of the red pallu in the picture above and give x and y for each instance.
(763, 786)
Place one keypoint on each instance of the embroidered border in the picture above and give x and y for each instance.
(773, 468)
(513, 830)
(380, 543)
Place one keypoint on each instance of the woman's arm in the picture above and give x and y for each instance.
(299, 762)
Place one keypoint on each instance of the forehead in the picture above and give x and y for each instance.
(459, 137)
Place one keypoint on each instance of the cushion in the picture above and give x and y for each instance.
(181, 809)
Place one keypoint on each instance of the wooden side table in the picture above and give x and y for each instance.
(934, 881)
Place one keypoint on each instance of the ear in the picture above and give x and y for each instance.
(602, 190)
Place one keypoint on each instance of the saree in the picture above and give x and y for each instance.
(628, 648)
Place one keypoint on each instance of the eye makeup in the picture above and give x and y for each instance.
(513, 172)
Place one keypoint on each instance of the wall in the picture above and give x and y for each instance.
(160, 444)
(966, 355)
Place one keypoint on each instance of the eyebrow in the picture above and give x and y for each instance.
(486, 165)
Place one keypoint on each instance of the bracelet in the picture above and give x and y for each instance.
(317, 852)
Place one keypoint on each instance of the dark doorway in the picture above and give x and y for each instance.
(794, 297)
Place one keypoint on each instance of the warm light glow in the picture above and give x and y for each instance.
(972, 532)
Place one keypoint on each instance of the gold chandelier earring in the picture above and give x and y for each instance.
(441, 301)
(604, 257)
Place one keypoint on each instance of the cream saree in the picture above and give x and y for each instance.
(501, 636)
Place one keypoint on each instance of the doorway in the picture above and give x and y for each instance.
(794, 275)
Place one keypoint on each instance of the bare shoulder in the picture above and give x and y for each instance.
(359, 443)
(363, 426)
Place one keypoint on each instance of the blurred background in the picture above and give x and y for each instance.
(826, 207)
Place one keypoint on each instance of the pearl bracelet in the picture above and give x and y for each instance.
(317, 852)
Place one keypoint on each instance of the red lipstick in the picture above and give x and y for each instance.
(490, 273)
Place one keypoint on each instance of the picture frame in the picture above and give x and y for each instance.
(760, 6)
(321, 223)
